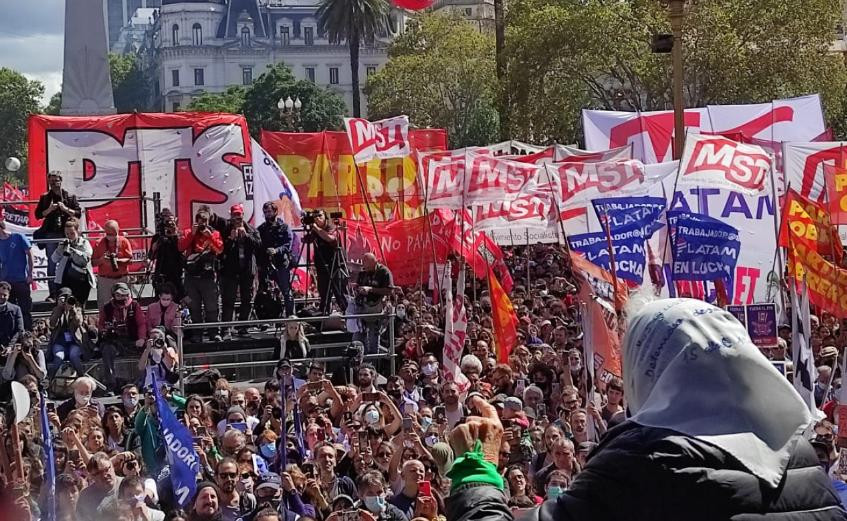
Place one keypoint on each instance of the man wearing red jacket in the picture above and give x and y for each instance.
(201, 246)
(123, 329)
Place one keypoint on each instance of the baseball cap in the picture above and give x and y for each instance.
(269, 480)
(514, 403)
(65, 292)
(236, 209)
(120, 288)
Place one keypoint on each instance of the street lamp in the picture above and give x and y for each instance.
(289, 111)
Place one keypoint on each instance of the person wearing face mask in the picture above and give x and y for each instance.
(159, 360)
(232, 504)
(371, 492)
(129, 402)
(112, 255)
(73, 263)
(557, 483)
(83, 390)
(131, 497)
(275, 254)
(164, 311)
(429, 370)
(164, 256)
(123, 329)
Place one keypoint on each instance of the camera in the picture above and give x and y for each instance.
(113, 260)
(307, 218)
(159, 343)
(70, 300)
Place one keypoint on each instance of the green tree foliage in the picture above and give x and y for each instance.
(322, 109)
(55, 104)
(353, 21)
(19, 97)
(130, 85)
(229, 101)
(565, 55)
(440, 73)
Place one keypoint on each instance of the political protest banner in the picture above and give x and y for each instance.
(836, 192)
(809, 223)
(14, 213)
(321, 167)
(455, 330)
(761, 324)
(383, 139)
(704, 248)
(179, 450)
(205, 158)
(827, 283)
(739, 312)
(718, 162)
(651, 133)
(573, 154)
(574, 185)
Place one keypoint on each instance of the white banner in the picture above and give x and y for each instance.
(383, 139)
(651, 133)
(804, 165)
(715, 161)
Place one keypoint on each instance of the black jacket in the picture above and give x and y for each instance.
(644, 473)
(55, 222)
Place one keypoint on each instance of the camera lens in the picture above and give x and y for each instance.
(277, 413)
(159, 342)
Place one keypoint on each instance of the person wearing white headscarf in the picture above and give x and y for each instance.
(716, 433)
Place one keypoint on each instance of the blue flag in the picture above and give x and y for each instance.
(182, 459)
(631, 220)
(49, 463)
(704, 248)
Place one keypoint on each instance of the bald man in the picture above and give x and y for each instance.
(112, 256)
(373, 285)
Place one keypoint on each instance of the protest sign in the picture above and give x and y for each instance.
(739, 312)
(809, 223)
(703, 248)
(761, 324)
(717, 162)
(179, 450)
(383, 139)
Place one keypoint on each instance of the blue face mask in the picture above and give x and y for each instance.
(554, 492)
(267, 450)
(375, 504)
(426, 422)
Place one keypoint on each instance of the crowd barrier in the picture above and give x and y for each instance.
(180, 328)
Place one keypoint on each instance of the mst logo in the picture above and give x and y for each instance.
(740, 164)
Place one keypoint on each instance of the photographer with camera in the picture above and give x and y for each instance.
(201, 246)
(73, 263)
(24, 358)
(16, 269)
(164, 256)
(373, 284)
(11, 318)
(72, 339)
(238, 266)
(275, 263)
(112, 255)
(123, 330)
(55, 207)
(159, 359)
(330, 264)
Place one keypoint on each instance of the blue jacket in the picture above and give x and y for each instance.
(11, 324)
(276, 235)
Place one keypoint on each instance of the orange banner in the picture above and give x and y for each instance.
(836, 192)
(504, 320)
(808, 223)
(827, 283)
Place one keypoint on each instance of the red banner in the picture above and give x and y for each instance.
(321, 167)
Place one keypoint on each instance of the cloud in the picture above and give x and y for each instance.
(33, 17)
(36, 57)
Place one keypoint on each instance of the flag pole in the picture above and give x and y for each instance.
(607, 228)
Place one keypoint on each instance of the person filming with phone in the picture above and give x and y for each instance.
(72, 340)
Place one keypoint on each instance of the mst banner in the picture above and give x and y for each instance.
(320, 165)
(204, 158)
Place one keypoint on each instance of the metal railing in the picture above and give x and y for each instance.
(180, 328)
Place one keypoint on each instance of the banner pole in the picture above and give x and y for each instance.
(777, 219)
(607, 227)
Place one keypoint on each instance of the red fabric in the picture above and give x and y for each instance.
(413, 5)
(504, 319)
(189, 243)
(104, 266)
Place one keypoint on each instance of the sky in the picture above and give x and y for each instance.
(32, 39)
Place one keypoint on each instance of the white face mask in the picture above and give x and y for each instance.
(430, 369)
(82, 399)
(371, 416)
(130, 401)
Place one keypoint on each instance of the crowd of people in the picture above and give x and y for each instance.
(364, 444)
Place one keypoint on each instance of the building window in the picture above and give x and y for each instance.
(333, 75)
(309, 35)
(175, 35)
(468, 11)
(175, 77)
(371, 69)
(310, 74)
(197, 34)
(198, 77)
(247, 75)
(284, 36)
(175, 107)
(245, 37)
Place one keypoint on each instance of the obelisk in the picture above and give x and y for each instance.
(86, 84)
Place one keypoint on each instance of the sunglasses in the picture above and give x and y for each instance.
(246, 475)
(228, 475)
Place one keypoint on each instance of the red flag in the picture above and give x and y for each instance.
(413, 5)
(504, 319)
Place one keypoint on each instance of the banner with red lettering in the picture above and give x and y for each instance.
(320, 165)
(204, 158)
(806, 163)
(575, 185)
(718, 162)
(383, 139)
(651, 133)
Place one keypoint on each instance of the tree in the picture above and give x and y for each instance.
(441, 73)
(130, 85)
(55, 105)
(353, 21)
(565, 55)
(322, 109)
(19, 97)
(230, 100)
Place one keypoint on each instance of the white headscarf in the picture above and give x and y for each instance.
(691, 367)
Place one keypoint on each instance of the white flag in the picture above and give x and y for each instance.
(805, 372)
(455, 330)
(271, 184)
